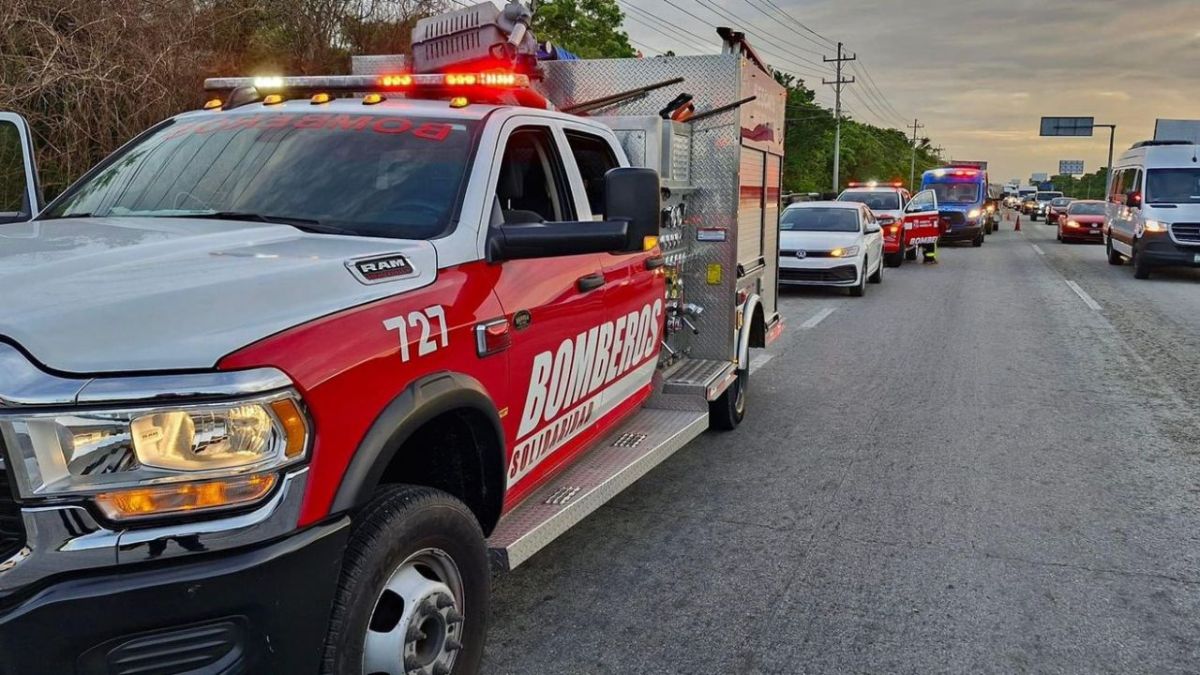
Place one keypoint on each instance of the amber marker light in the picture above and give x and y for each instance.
(181, 498)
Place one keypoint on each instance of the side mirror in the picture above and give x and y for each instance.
(550, 240)
(871, 228)
(633, 196)
(1133, 199)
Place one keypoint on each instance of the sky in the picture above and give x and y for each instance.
(978, 74)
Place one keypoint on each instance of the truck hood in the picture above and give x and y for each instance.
(98, 295)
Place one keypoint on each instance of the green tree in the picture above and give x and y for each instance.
(588, 28)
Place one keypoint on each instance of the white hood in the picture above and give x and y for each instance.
(94, 295)
(817, 241)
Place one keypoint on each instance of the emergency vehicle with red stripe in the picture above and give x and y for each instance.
(283, 379)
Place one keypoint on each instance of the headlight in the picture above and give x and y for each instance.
(1072, 223)
(1157, 226)
(974, 213)
(848, 252)
(991, 208)
(139, 462)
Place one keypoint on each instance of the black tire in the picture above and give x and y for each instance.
(399, 522)
(877, 277)
(860, 289)
(1141, 268)
(910, 254)
(977, 241)
(893, 259)
(728, 411)
(1114, 258)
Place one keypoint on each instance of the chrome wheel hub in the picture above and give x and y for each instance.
(416, 625)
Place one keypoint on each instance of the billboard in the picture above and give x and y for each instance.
(1039, 178)
(1067, 126)
(1070, 167)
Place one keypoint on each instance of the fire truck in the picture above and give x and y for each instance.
(283, 380)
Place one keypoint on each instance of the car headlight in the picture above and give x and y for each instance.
(1072, 223)
(847, 252)
(142, 462)
(974, 213)
(1156, 226)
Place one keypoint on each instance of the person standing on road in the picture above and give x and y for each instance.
(929, 253)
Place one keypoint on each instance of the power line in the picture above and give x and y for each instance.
(773, 18)
(754, 30)
(792, 19)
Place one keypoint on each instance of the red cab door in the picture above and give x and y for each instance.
(922, 226)
(635, 288)
(551, 306)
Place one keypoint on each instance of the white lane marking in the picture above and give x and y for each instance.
(1038, 249)
(818, 318)
(759, 361)
(1087, 299)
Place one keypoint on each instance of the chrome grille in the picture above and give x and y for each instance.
(1187, 232)
(12, 529)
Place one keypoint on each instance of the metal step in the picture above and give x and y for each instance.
(632, 450)
(700, 377)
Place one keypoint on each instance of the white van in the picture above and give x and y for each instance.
(1153, 214)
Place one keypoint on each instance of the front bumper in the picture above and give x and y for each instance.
(1160, 251)
(1083, 232)
(967, 233)
(262, 610)
(819, 272)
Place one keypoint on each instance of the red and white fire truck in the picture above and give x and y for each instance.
(282, 378)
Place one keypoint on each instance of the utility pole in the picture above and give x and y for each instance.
(912, 173)
(837, 89)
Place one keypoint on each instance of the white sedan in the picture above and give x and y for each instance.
(830, 244)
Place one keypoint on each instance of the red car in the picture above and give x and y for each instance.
(887, 202)
(1083, 220)
(1056, 208)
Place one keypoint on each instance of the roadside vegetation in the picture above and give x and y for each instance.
(90, 75)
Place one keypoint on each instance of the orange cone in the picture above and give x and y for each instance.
(1018, 227)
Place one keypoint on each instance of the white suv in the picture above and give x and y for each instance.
(830, 244)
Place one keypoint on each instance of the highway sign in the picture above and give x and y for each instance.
(1039, 178)
(1067, 126)
(1070, 167)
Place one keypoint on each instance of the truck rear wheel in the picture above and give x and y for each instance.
(413, 593)
(893, 259)
(727, 411)
(910, 253)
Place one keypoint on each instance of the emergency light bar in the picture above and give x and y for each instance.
(368, 83)
(874, 184)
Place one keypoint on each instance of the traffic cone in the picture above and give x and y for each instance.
(1018, 226)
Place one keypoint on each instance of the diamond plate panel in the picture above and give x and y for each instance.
(714, 167)
(599, 475)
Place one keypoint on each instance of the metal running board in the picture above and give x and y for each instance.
(596, 477)
(700, 377)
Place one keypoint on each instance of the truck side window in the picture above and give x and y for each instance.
(532, 187)
(594, 157)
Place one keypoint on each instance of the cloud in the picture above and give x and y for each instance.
(981, 73)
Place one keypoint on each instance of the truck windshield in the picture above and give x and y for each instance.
(955, 193)
(820, 220)
(369, 175)
(877, 201)
(1173, 186)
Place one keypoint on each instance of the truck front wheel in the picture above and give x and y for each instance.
(727, 411)
(413, 593)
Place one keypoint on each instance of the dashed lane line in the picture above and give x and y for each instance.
(1038, 249)
(1087, 299)
(817, 318)
(759, 361)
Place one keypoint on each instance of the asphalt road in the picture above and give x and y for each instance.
(973, 469)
